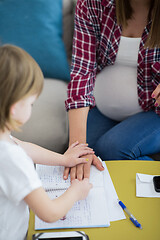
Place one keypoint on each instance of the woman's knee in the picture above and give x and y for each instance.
(109, 147)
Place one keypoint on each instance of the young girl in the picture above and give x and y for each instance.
(21, 81)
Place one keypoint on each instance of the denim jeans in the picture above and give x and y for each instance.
(134, 138)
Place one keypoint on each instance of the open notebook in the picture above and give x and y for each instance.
(91, 212)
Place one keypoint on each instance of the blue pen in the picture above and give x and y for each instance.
(131, 217)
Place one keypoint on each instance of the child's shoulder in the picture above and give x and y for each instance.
(7, 147)
(12, 153)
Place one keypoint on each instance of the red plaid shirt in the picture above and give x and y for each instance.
(95, 46)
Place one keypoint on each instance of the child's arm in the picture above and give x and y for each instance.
(70, 158)
(52, 210)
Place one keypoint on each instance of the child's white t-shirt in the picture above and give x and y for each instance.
(18, 178)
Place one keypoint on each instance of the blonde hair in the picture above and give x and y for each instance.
(124, 12)
(20, 76)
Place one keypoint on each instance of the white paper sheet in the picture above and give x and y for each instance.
(91, 212)
(114, 209)
(145, 187)
(84, 213)
(102, 199)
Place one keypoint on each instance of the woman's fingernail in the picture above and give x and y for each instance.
(156, 104)
(152, 95)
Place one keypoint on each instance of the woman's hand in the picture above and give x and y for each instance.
(83, 170)
(73, 155)
(156, 95)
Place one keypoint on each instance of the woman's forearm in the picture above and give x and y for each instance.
(78, 124)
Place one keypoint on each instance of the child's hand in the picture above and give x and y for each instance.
(82, 188)
(74, 152)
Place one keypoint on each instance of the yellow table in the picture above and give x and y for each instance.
(146, 210)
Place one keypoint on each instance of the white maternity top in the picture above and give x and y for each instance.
(116, 85)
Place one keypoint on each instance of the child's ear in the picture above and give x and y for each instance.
(13, 109)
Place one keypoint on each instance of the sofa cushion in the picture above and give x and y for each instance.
(48, 125)
(36, 26)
